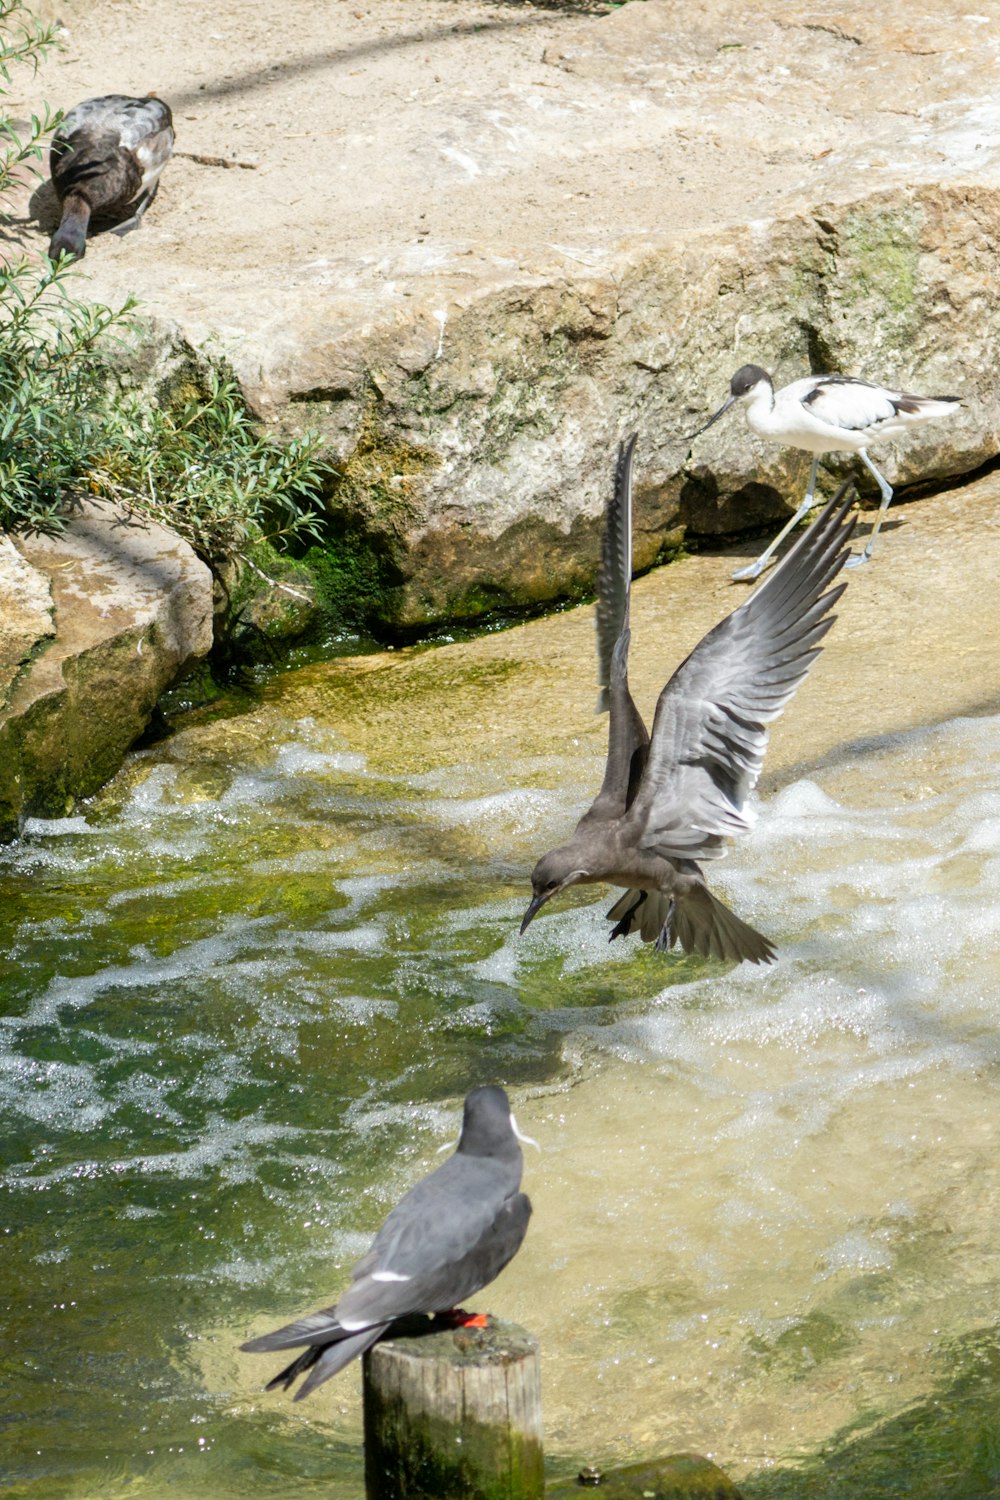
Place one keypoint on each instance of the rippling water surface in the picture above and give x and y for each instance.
(244, 993)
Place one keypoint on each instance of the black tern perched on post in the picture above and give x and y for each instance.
(448, 1237)
(826, 414)
(105, 159)
(672, 798)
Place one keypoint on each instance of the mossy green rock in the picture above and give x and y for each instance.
(682, 1476)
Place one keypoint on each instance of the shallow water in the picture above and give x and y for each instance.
(244, 993)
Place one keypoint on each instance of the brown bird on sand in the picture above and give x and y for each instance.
(105, 160)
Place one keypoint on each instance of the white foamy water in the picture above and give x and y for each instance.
(771, 1195)
(766, 1197)
(766, 1200)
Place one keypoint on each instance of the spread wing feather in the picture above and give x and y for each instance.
(614, 572)
(709, 734)
(627, 735)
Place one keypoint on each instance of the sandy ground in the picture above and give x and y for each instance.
(367, 127)
(392, 147)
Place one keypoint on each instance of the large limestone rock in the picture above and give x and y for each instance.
(94, 625)
(474, 248)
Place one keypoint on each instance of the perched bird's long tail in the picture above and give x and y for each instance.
(325, 1361)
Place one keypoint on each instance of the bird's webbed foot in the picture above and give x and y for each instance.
(457, 1317)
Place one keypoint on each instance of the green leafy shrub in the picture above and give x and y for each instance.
(207, 472)
(48, 356)
(52, 392)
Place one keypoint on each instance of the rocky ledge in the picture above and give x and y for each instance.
(473, 248)
(94, 625)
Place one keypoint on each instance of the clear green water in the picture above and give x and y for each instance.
(244, 993)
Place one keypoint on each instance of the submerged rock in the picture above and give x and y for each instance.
(682, 1476)
(97, 622)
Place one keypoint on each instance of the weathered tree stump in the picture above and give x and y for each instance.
(453, 1414)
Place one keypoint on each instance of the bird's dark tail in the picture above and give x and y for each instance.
(329, 1349)
(704, 924)
(330, 1360)
(291, 1372)
(698, 921)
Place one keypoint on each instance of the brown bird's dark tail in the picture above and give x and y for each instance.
(698, 921)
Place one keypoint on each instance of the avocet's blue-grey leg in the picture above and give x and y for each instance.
(886, 488)
(754, 569)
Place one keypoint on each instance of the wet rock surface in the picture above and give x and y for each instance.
(914, 643)
(682, 1476)
(475, 246)
(97, 622)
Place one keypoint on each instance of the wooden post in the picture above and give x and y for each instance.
(453, 1414)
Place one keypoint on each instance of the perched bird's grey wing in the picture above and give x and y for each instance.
(318, 1327)
(438, 1291)
(852, 404)
(444, 1269)
(439, 1244)
(614, 573)
(627, 736)
(709, 733)
(447, 1275)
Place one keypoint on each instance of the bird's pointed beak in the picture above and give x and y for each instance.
(536, 904)
(525, 1140)
(721, 412)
